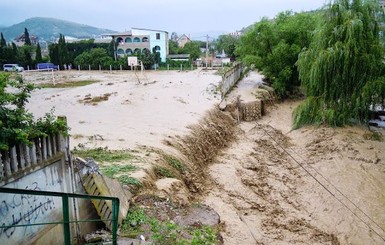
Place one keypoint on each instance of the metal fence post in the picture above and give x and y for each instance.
(66, 220)
(115, 217)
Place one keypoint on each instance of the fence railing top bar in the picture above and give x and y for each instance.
(53, 193)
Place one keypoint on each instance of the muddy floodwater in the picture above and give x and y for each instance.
(268, 183)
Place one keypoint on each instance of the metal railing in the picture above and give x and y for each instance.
(66, 214)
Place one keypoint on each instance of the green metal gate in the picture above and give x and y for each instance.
(66, 214)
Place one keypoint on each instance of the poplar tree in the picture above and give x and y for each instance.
(38, 56)
(3, 43)
(341, 68)
(26, 37)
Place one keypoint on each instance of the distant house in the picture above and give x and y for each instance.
(140, 40)
(182, 40)
(20, 40)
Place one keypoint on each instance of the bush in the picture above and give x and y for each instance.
(17, 124)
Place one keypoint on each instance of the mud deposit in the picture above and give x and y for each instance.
(309, 186)
(269, 184)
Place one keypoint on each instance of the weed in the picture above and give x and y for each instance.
(128, 180)
(131, 224)
(101, 154)
(68, 84)
(175, 163)
(372, 135)
(162, 172)
(204, 235)
(166, 232)
(112, 170)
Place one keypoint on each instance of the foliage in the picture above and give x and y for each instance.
(175, 163)
(176, 64)
(17, 124)
(94, 57)
(163, 172)
(272, 46)
(340, 69)
(111, 170)
(78, 48)
(68, 84)
(129, 180)
(26, 36)
(173, 47)
(38, 57)
(228, 43)
(101, 154)
(166, 232)
(192, 48)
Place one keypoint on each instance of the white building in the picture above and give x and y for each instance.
(140, 40)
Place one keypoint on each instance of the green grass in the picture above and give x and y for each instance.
(68, 84)
(128, 180)
(175, 163)
(101, 154)
(112, 170)
(166, 232)
(162, 172)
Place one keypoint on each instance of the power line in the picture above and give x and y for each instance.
(329, 191)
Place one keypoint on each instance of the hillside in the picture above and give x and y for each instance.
(50, 28)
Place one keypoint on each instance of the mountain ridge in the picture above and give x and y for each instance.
(49, 29)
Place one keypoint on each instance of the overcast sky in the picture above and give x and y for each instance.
(181, 16)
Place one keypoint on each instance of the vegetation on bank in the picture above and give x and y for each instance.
(333, 56)
(17, 124)
(165, 232)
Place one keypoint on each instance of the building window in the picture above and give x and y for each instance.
(120, 51)
(157, 36)
(157, 48)
(136, 40)
(119, 40)
(128, 40)
(128, 51)
(145, 39)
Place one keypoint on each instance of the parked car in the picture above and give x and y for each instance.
(46, 66)
(12, 67)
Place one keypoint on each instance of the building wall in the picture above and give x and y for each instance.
(162, 42)
(19, 209)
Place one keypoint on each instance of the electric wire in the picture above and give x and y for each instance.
(329, 191)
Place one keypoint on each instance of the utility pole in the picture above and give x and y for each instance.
(207, 49)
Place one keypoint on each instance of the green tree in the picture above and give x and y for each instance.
(340, 71)
(227, 43)
(38, 57)
(192, 48)
(156, 57)
(173, 47)
(3, 43)
(95, 57)
(272, 46)
(17, 124)
(24, 56)
(26, 37)
(54, 53)
(63, 54)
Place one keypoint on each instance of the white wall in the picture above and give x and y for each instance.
(16, 209)
(162, 42)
